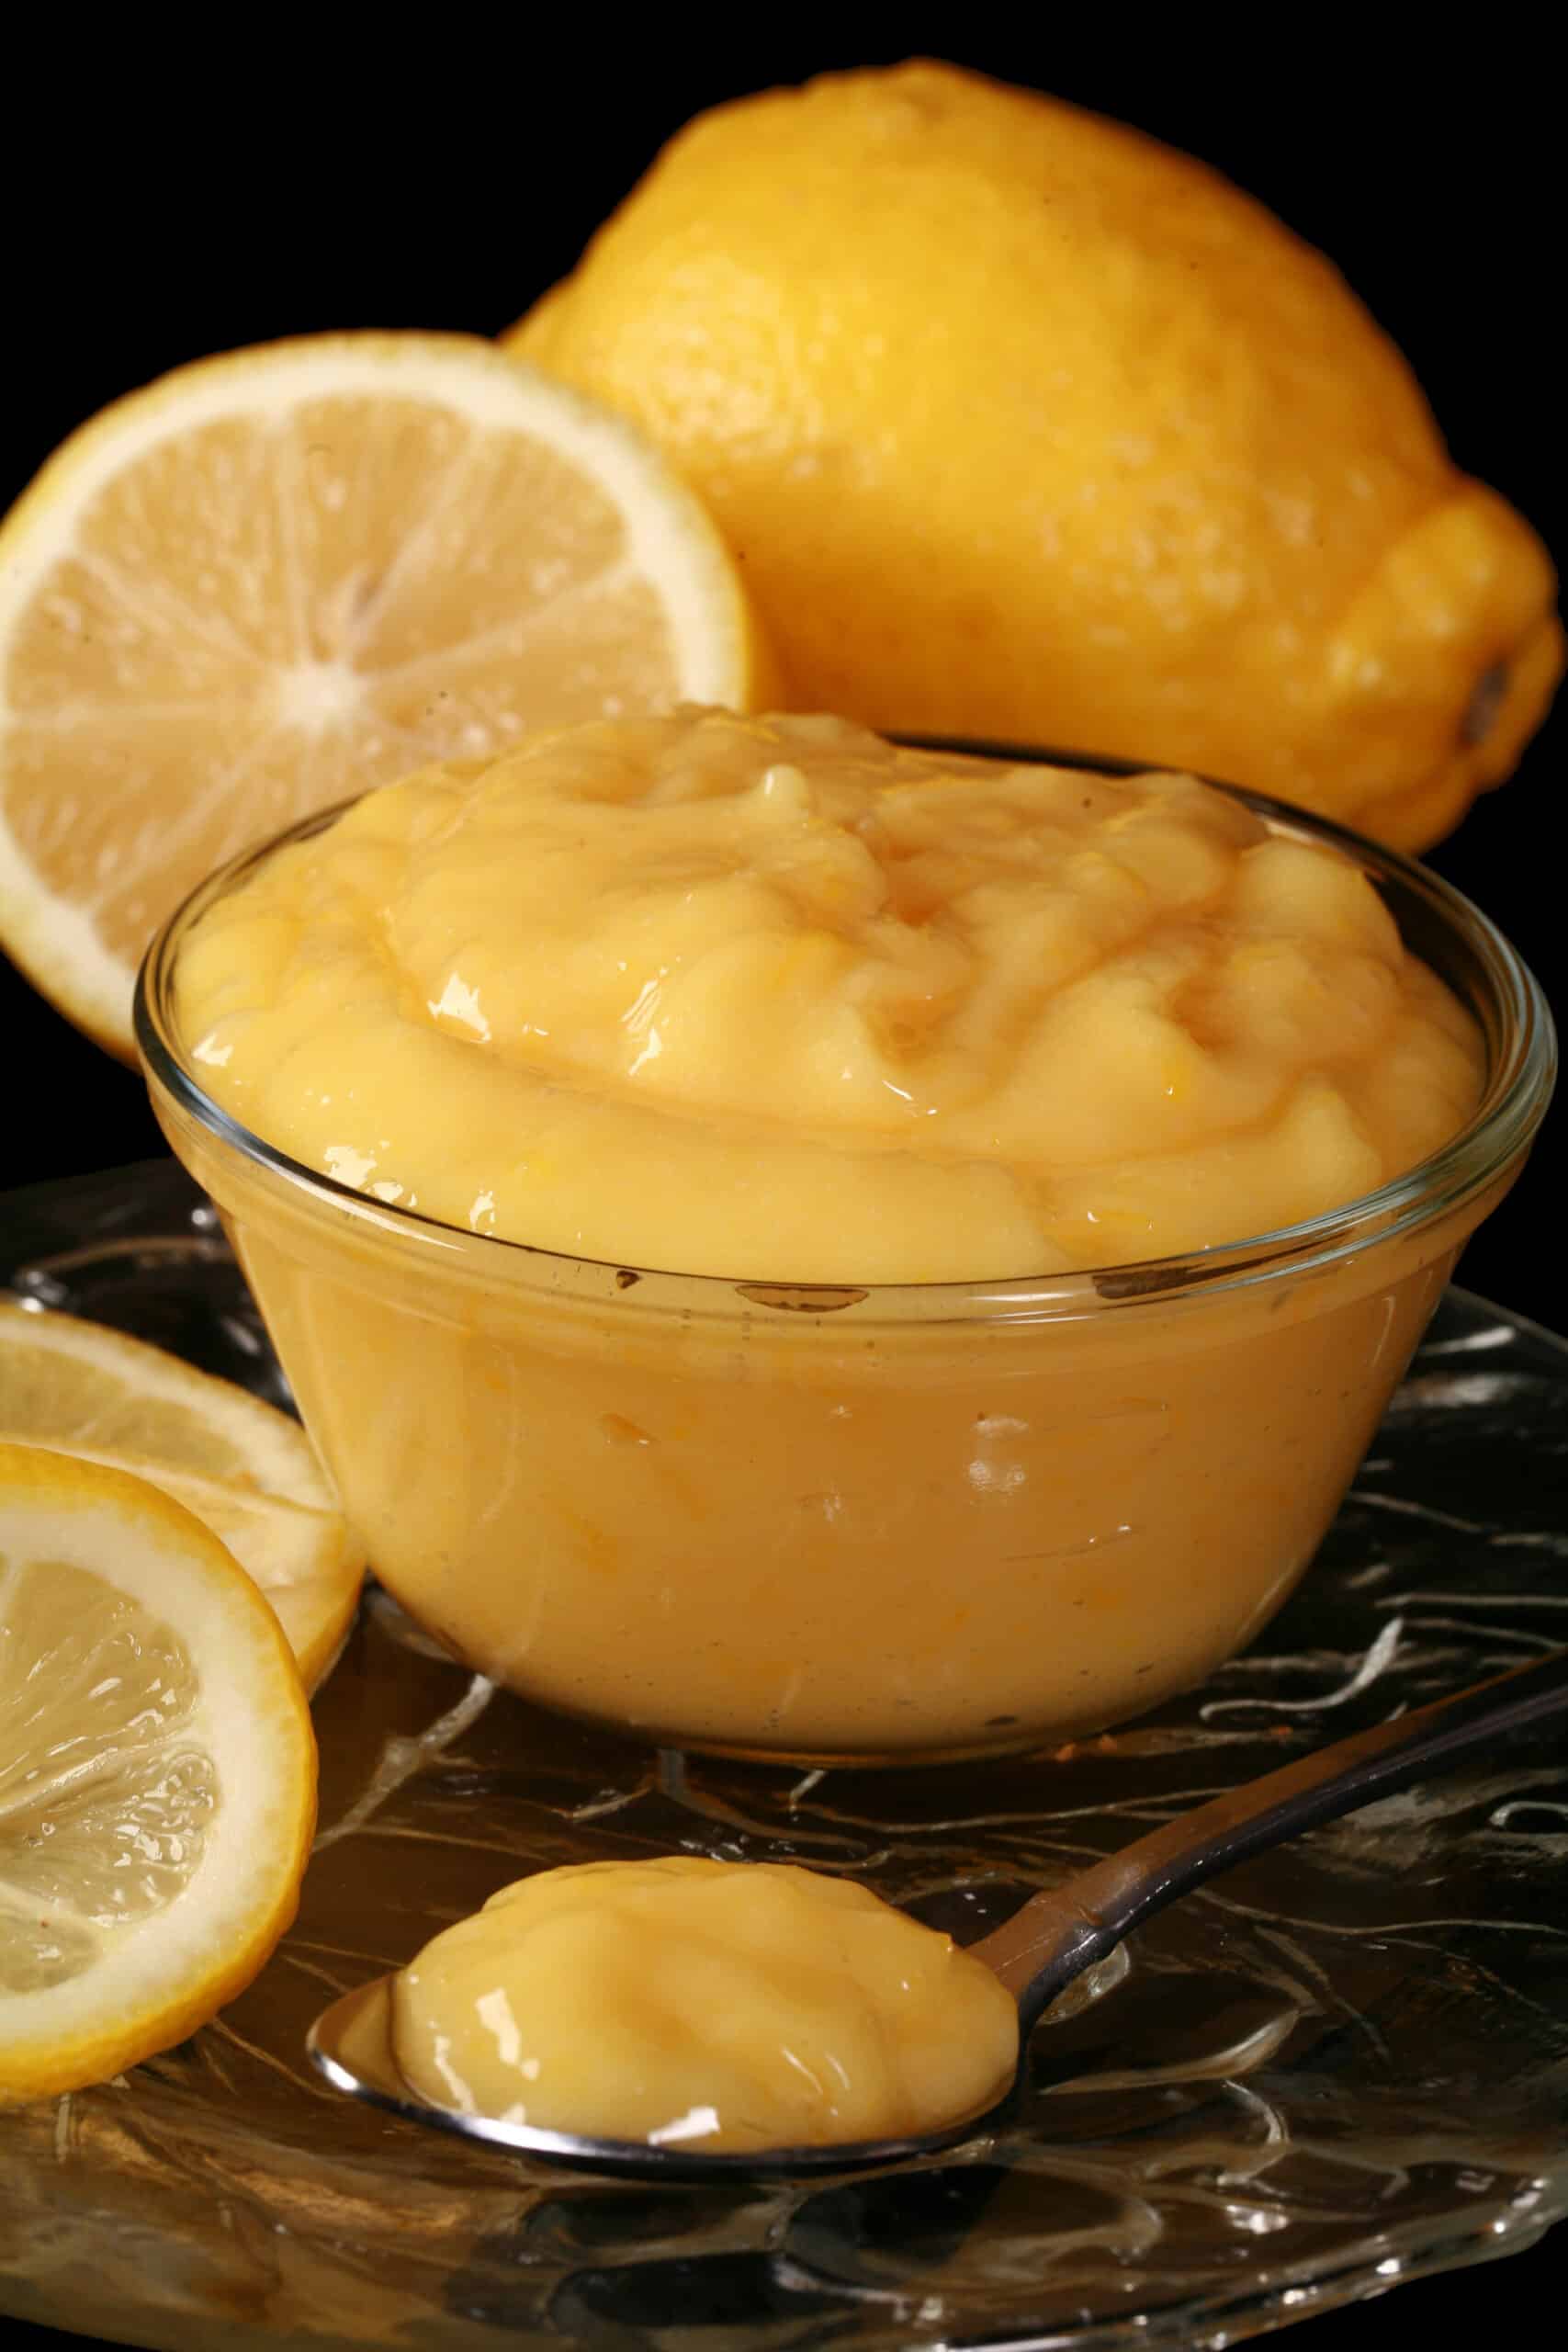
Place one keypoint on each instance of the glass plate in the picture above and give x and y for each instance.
(1342, 2065)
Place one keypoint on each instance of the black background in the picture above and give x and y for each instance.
(164, 197)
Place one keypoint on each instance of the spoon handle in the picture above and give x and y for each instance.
(1058, 1933)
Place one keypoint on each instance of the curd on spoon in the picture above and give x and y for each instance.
(705, 2005)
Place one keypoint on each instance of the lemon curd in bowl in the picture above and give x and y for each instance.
(807, 1247)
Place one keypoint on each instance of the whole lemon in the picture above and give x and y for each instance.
(1024, 425)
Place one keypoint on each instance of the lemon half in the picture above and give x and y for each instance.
(273, 578)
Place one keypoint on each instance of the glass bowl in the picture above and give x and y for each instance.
(883, 1525)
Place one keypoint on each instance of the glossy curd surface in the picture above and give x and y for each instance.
(771, 998)
(703, 2005)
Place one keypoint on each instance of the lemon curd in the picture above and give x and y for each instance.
(771, 999)
(895, 1063)
(703, 2005)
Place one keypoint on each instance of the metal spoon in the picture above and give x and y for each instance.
(1037, 1953)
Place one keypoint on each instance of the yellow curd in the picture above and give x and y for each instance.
(704, 2006)
(772, 999)
(774, 1002)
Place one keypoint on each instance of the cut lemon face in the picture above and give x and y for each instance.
(273, 579)
(157, 1774)
(245, 1469)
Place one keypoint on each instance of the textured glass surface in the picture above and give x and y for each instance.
(1344, 2063)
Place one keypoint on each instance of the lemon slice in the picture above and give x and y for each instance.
(245, 1469)
(271, 579)
(157, 1774)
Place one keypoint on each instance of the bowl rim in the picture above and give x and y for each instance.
(1515, 1018)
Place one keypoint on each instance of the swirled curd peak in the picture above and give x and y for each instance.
(774, 999)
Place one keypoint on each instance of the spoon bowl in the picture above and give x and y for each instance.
(1047, 1943)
